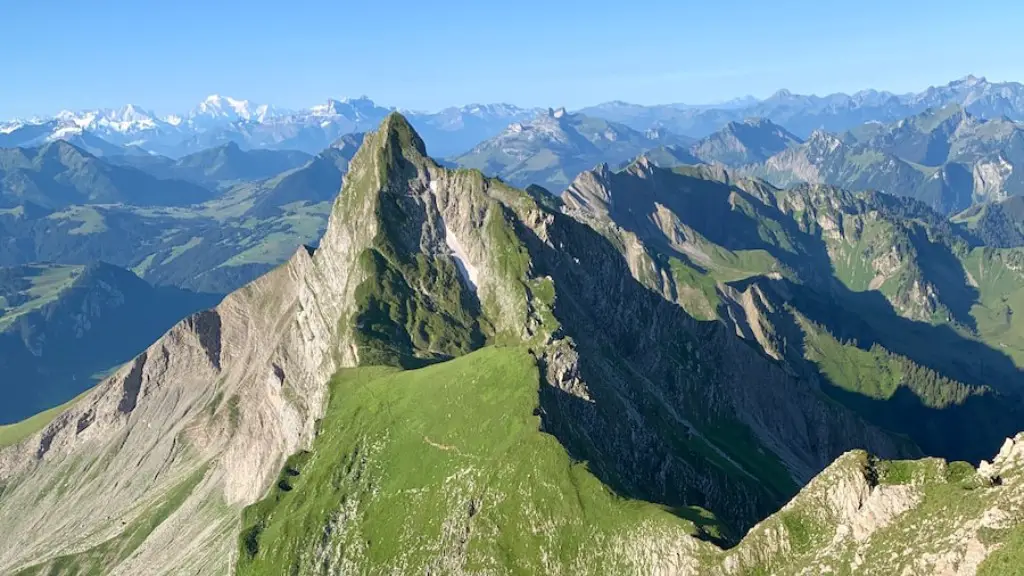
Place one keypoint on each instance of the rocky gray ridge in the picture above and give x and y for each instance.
(553, 147)
(785, 267)
(915, 518)
(740, 143)
(947, 158)
(226, 394)
(205, 418)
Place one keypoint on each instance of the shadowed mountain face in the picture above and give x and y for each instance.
(876, 298)
(423, 388)
(996, 224)
(63, 327)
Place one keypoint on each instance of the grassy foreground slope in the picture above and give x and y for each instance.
(445, 468)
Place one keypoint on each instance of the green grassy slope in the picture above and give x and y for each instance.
(443, 468)
(27, 288)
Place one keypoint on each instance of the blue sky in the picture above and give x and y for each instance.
(167, 55)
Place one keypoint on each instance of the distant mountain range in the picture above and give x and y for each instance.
(218, 120)
(211, 221)
(222, 164)
(453, 131)
(59, 174)
(947, 157)
(803, 114)
(555, 146)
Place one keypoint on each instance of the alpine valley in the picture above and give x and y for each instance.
(780, 336)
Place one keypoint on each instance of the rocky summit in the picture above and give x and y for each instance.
(466, 378)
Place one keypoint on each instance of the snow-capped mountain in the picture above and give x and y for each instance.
(354, 109)
(219, 119)
(28, 135)
(125, 120)
(309, 130)
(217, 110)
(456, 130)
(8, 127)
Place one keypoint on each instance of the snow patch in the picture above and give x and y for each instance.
(468, 271)
(65, 132)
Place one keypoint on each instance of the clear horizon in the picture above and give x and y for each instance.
(168, 57)
(165, 113)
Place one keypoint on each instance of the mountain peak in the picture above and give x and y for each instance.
(822, 139)
(60, 147)
(758, 121)
(330, 108)
(972, 80)
(397, 132)
(344, 107)
(363, 100)
(217, 106)
(932, 118)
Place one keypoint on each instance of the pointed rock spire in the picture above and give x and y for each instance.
(397, 131)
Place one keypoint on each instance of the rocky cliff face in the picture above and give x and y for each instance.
(210, 411)
(785, 268)
(148, 473)
(741, 143)
(923, 517)
(160, 457)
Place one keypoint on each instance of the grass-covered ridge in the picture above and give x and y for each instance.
(445, 468)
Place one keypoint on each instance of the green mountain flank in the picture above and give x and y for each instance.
(243, 231)
(58, 174)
